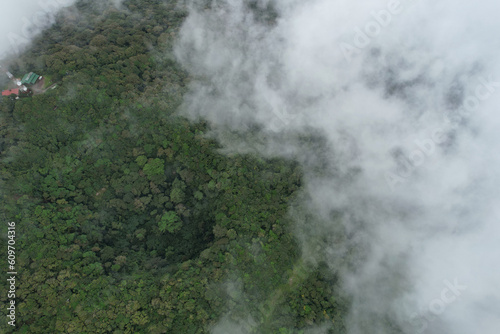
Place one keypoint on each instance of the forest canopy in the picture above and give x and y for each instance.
(129, 219)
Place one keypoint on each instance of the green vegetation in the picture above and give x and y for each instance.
(128, 218)
(48, 81)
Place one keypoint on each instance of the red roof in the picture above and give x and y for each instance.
(14, 91)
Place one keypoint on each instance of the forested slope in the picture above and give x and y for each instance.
(128, 219)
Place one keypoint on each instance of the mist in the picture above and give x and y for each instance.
(404, 179)
(20, 21)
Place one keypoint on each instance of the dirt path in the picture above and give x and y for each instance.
(38, 88)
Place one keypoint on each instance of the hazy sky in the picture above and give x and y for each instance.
(406, 94)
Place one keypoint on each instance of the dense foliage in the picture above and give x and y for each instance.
(128, 218)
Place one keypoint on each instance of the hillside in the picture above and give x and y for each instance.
(128, 217)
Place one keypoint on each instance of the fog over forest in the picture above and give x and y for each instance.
(369, 129)
(405, 95)
(22, 20)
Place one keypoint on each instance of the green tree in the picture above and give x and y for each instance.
(141, 160)
(170, 222)
(154, 167)
(177, 194)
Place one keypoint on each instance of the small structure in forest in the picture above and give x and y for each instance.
(30, 78)
(30, 84)
(10, 92)
(18, 92)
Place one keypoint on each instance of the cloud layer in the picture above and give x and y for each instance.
(404, 96)
(21, 20)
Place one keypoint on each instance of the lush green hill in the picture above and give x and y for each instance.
(128, 219)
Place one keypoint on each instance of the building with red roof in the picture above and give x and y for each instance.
(9, 92)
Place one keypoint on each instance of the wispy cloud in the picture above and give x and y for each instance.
(387, 106)
(21, 20)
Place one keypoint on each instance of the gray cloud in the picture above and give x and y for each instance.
(403, 95)
(22, 20)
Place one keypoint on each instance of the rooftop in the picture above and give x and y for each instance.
(30, 78)
(14, 91)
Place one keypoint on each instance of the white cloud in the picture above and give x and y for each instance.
(397, 107)
(21, 20)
